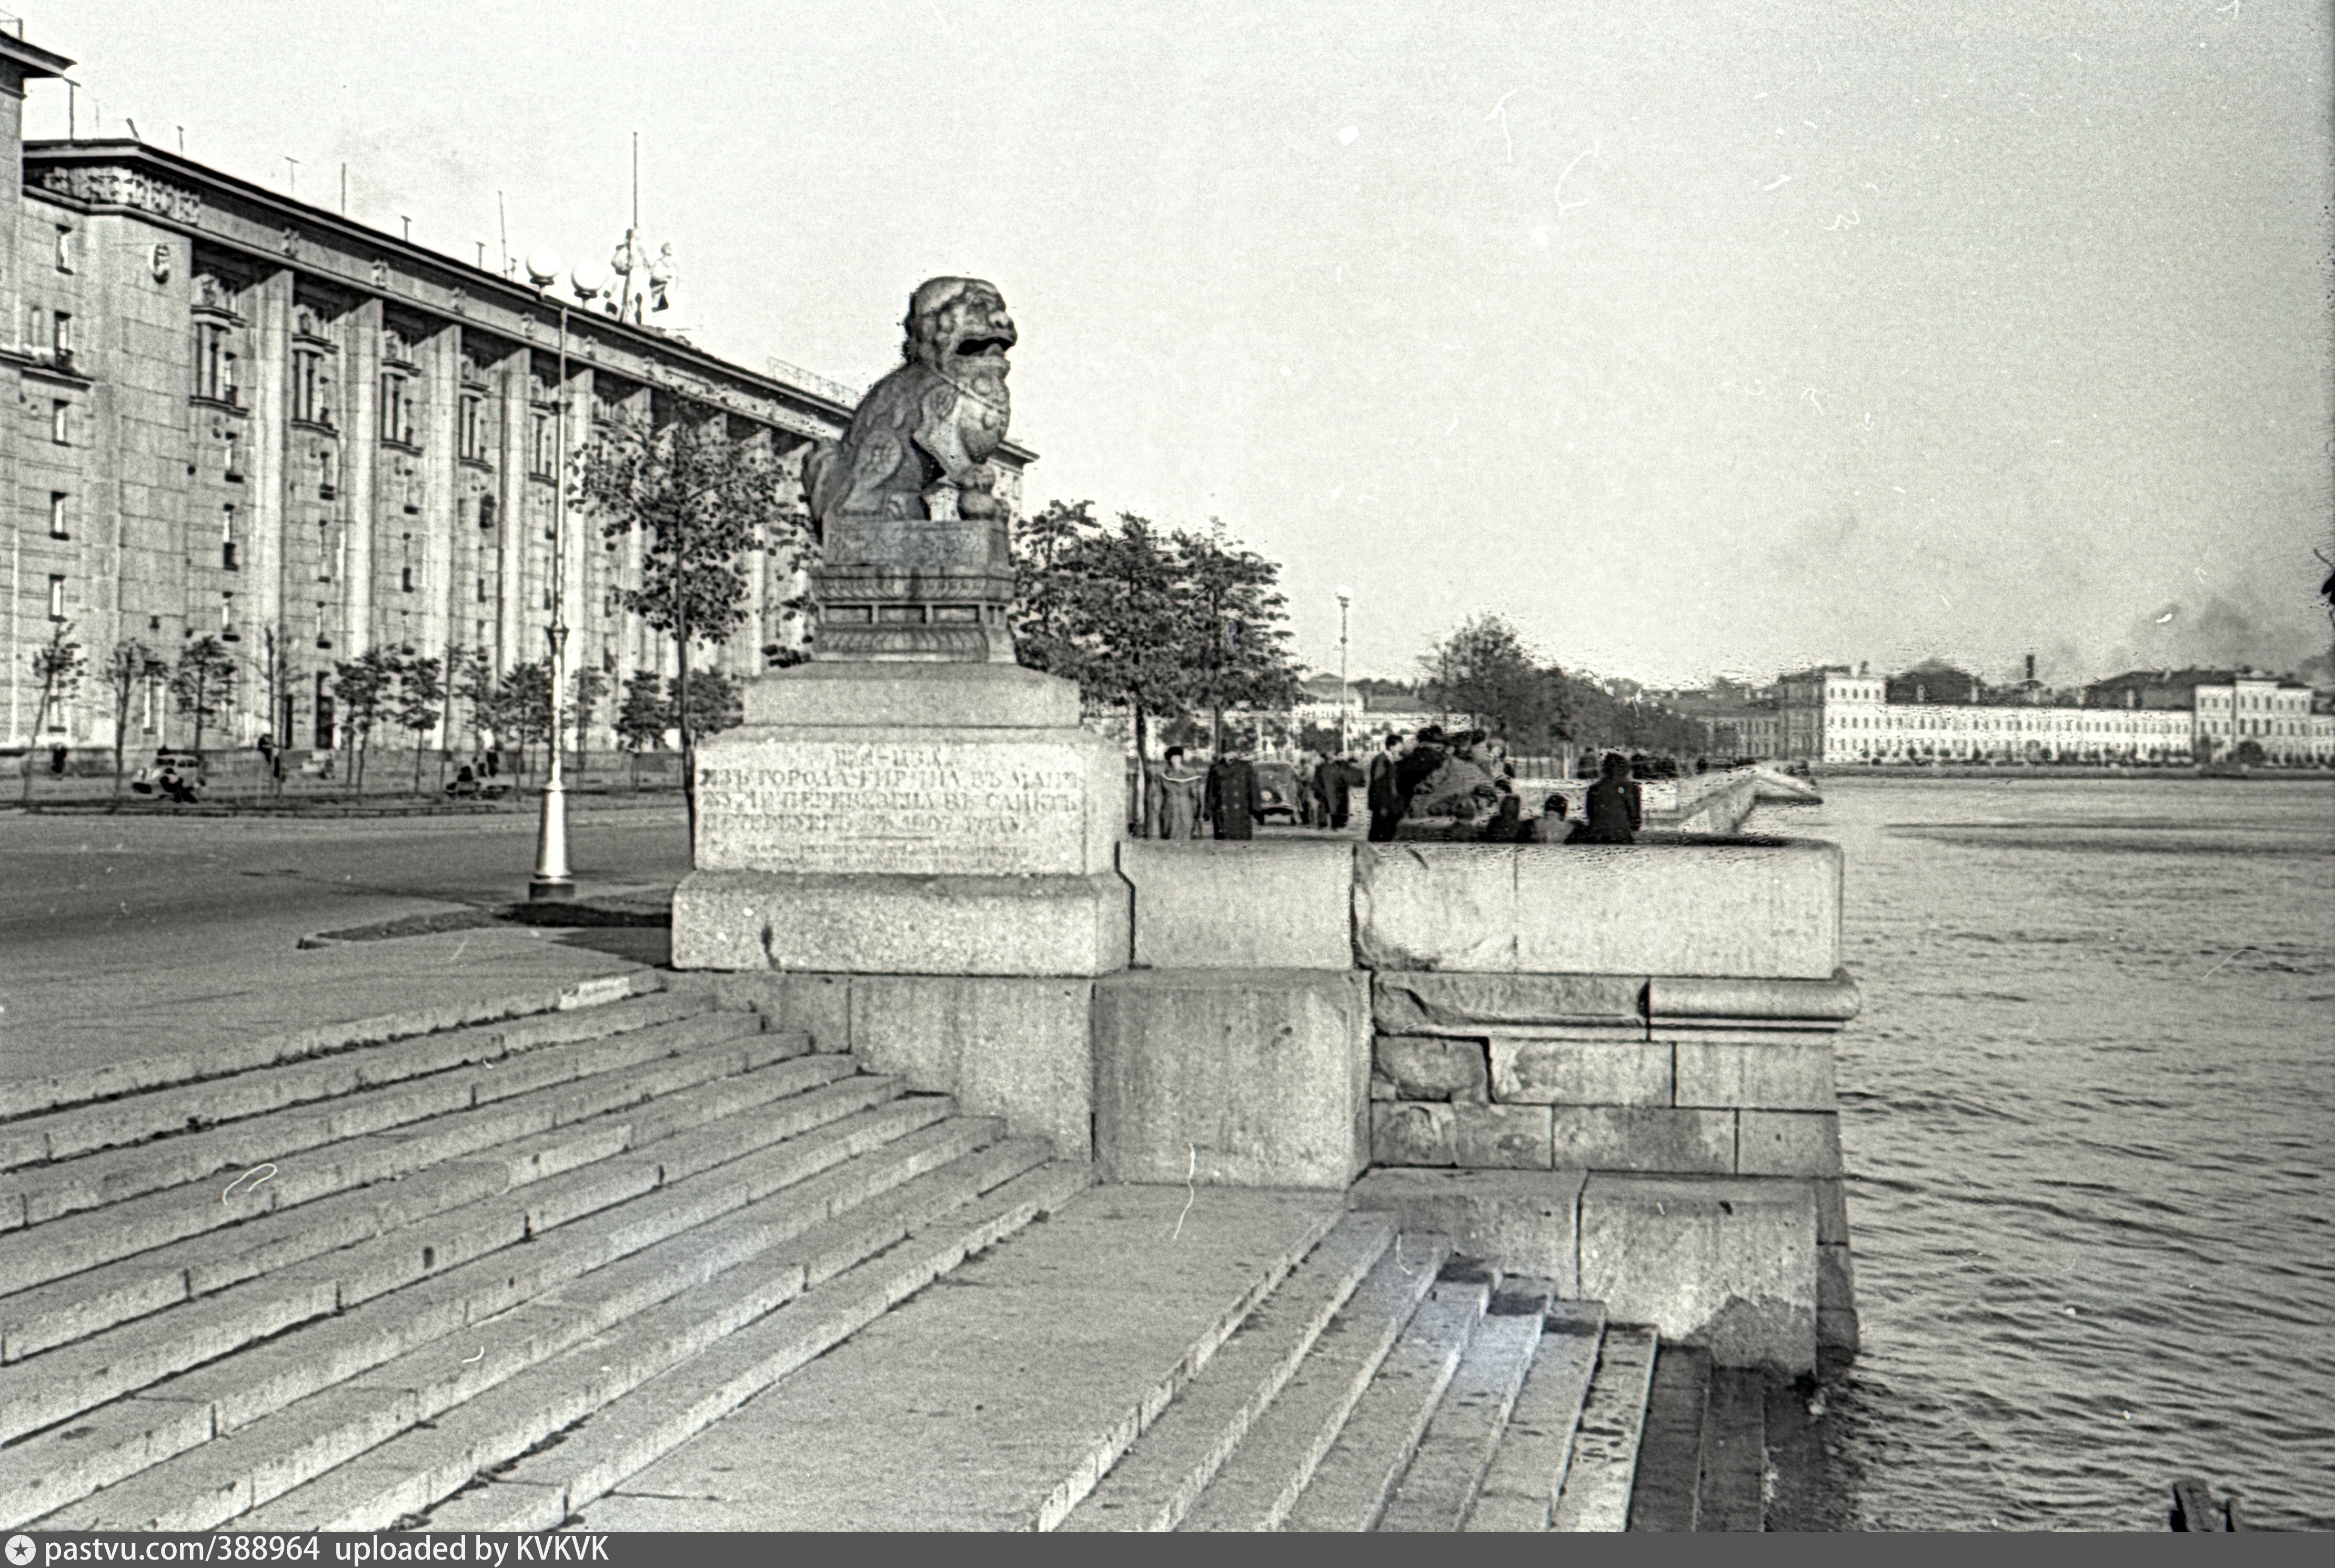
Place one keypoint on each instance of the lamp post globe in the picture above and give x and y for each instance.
(1345, 696)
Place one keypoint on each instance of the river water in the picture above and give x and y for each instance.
(2089, 1114)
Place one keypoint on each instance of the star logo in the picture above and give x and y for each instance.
(20, 1550)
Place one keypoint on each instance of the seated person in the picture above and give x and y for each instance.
(1506, 824)
(1613, 811)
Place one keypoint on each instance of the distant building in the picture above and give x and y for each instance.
(1934, 712)
(246, 417)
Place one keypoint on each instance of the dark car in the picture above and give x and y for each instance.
(1277, 792)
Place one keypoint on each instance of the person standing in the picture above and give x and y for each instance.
(1178, 815)
(1234, 807)
(1384, 799)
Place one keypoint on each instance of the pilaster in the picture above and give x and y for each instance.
(271, 360)
(360, 498)
(440, 372)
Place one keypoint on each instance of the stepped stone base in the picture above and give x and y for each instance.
(1519, 1222)
(1240, 1078)
(1729, 1264)
(901, 924)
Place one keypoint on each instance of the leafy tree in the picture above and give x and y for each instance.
(364, 687)
(203, 684)
(523, 705)
(716, 702)
(1485, 668)
(1237, 639)
(643, 718)
(130, 668)
(701, 503)
(1158, 624)
(58, 665)
(590, 685)
(474, 682)
(419, 704)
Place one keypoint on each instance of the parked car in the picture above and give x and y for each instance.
(175, 775)
(1278, 792)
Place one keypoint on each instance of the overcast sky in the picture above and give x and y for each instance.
(1693, 337)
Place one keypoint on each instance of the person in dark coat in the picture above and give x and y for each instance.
(1612, 812)
(1427, 754)
(1235, 805)
(1333, 791)
(1386, 802)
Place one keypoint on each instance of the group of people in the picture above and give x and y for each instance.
(1465, 776)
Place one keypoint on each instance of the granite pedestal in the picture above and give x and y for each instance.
(907, 824)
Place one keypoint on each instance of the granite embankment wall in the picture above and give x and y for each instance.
(1609, 1066)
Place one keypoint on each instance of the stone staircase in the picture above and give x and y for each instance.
(328, 1293)
(525, 1275)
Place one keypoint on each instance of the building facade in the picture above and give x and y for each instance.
(239, 416)
(1937, 713)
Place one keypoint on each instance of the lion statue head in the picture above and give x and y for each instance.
(959, 327)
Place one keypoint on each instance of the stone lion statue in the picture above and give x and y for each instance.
(919, 443)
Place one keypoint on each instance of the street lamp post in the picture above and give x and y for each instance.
(552, 879)
(1345, 697)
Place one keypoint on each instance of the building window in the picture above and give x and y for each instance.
(324, 552)
(60, 421)
(329, 466)
(544, 452)
(312, 387)
(64, 249)
(56, 598)
(234, 470)
(214, 375)
(474, 429)
(397, 410)
(227, 538)
(405, 579)
(64, 336)
(488, 511)
(60, 506)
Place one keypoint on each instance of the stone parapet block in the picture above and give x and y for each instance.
(1795, 1074)
(1432, 1067)
(1519, 1222)
(1503, 1136)
(1412, 1132)
(1752, 911)
(1246, 1078)
(1729, 1264)
(1010, 1047)
(1604, 1138)
(908, 695)
(1437, 1003)
(964, 925)
(943, 799)
(1571, 1072)
(1262, 904)
(1677, 998)
(1803, 1143)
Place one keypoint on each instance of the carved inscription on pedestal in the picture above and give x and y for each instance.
(900, 807)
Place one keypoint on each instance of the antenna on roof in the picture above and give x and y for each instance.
(291, 174)
(344, 190)
(502, 217)
(133, 127)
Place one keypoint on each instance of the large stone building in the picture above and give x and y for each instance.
(1934, 712)
(243, 416)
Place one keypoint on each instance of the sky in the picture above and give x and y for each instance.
(1694, 337)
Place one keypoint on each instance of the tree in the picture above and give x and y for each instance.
(701, 503)
(1485, 668)
(643, 718)
(1104, 607)
(420, 703)
(1236, 638)
(1155, 622)
(716, 702)
(473, 680)
(203, 684)
(363, 688)
(58, 665)
(523, 705)
(590, 685)
(130, 667)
